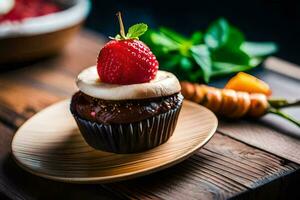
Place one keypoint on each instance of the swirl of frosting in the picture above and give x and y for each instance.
(164, 84)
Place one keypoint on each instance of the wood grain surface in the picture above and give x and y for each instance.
(50, 145)
(224, 168)
(271, 133)
(209, 174)
(283, 67)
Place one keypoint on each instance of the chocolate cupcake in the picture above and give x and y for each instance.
(124, 104)
(126, 118)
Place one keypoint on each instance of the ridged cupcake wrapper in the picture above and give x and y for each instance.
(129, 137)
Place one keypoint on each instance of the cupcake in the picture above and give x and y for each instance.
(125, 104)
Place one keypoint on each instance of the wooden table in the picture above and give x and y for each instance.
(244, 159)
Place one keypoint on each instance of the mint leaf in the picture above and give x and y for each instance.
(196, 38)
(195, 76)
(255, 61)
(201, 55)
(161, 46)
(186, 64)
(163, 41)
(259, 48)
(230, 55)
(173, 35)
(170, 62)
(137, 30)
(235, 38)
(217, 33)
(223, 68)
(220, 33)
(219, 51)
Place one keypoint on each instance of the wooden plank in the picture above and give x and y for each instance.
(287, 185)
(260, 136)
(220, 170)
(15, 183)
(282, 86)
(5, 183)
(26, 90)
(210, 174)
(271, 133)
(283, 67)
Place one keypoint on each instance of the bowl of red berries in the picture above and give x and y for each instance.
(32, 29)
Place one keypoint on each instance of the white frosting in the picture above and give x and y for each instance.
(6, 6)
(164, 84)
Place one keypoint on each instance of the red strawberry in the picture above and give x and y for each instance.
(126, 60)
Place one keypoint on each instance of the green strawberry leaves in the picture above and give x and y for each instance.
(135, 31)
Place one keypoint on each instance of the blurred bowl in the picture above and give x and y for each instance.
(41, 36)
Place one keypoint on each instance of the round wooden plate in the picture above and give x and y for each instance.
(50, 145)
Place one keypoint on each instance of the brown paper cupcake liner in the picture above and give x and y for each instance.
(129, 137)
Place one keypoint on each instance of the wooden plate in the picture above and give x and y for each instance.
(50, 145)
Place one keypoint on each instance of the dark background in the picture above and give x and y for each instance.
(260, 20)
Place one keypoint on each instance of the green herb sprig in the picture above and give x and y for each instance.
(134, 32)
(218, 51)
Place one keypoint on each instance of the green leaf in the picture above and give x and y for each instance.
(185, 48)
(173, 35)
(137, 30)
(221, 50)
(186, 63)
(254, 61)
(160, 44)
(230, 55)
(196, 38)
(196, 76)
(235, 38)
(225, 68)
(201, 55)
(170, 62)
(162, 40)
(177, 64)
(217, 33)
(220, 33)
(259, 48)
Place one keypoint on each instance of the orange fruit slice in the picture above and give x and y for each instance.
(248, 83)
